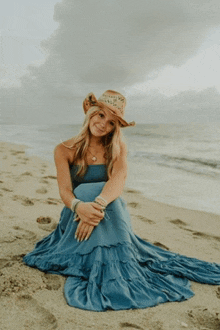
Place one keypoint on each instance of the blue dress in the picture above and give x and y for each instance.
(114, 269)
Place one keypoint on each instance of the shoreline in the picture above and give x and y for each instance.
(30, 210)
(186, 184)
(25, 147)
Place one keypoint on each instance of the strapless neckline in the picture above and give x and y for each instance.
(90, 165)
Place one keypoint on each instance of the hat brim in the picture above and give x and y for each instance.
(122, 122)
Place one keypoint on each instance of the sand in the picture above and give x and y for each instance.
(30, 299)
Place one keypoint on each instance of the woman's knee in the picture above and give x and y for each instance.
(87, 192)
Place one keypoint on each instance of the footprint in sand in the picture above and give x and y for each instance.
(218, 292)
(18, 257)
(53, 201)
(130, 325)
(19, 233)
(200, 234)
(49, 177)
(27, 173)
(196, 234)
(16, 277)
(12, 284)
(52, 281)
(7, 239)
(154, 326)
(161, 245)
(46, 223)
(44, 220)
(41, 191)
(24, 200)
(133, 204)
(23, 158)
(202, 318)
(30, 314)
(43, 181)
(16, 152)
(142, 218)
(11, 261)
(204, 235)
(6, 189)
(24, 233)
(4, 263)
(132, 191)
(178, 222)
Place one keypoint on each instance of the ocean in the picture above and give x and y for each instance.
(177, 164)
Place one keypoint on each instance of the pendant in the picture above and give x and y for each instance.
(94, 159)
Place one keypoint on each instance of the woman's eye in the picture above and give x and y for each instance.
(112, 123)
(101, 115)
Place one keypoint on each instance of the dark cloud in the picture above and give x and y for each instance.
(108, 44)
(123, 41)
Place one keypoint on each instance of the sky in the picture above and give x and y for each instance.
(163, 55)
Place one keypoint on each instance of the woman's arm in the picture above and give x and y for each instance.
(62, 158)
(88, 212)
(114, 186)
(112, 189)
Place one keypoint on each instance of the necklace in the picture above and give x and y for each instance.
(94, 158)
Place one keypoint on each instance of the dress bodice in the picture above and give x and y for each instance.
(94, 173)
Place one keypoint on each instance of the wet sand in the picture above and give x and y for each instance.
(30, 299)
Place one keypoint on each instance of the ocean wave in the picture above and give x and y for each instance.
(196, 165)
(147, 134)
(199, 161)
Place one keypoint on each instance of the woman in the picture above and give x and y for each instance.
(107, 265)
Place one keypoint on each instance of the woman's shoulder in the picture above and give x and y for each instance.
(65, 145)
(65, 149)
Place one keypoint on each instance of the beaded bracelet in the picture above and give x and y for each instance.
(102, 199)
(74, 204)
(103, 207)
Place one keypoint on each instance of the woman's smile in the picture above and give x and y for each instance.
(99, 129)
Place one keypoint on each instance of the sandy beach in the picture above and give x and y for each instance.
(30, 299)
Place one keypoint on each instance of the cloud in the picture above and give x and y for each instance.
(121, 42)
(186, 107)
(198, 73)
(107, 44)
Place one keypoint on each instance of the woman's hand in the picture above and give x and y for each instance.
(90, 213)
(83, 231)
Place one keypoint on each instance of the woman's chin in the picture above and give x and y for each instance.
(97, 133)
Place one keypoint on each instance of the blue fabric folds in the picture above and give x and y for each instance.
(115, 269)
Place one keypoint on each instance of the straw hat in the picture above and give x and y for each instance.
(110, 100)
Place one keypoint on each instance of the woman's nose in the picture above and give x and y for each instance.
(103, 123)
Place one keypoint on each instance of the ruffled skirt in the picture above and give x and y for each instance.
(115, 269)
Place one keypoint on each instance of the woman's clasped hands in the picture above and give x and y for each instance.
(89, 215)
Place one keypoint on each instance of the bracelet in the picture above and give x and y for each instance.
(74, 203)
(103, 207)
(102, 199)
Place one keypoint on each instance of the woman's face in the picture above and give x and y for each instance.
(102, 123)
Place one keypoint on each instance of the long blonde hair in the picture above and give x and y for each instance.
(112, 143)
